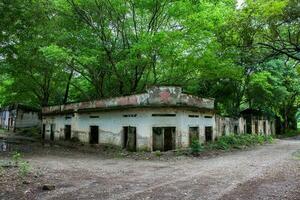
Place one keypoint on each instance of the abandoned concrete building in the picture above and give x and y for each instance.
(19, 116)
(162, 118)
(249, 121)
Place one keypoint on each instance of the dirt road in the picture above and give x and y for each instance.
(266, 172)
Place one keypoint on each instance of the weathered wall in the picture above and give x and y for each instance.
(227, 125)
(26, 119)
(4, 116)
(111, 125)
(259, 121)
(155, 96)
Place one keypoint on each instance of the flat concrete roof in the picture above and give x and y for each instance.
(158, 96)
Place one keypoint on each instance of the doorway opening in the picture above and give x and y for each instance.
(43, 131)
(265, 127)
(94, 135)
(52, 128)
(235, 129)
(208, 133)
(248, 126)
(256, 126)
(67, 132)
(163, 138)
(129, 138)
(193, 135)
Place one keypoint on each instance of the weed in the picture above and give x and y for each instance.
(24, 168)
(240, 141)
(196, 147)
(16, 157)
(157, 153)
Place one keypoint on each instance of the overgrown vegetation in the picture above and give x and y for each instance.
(23, 166)
(232, 141)
(196, 147)
(95, 49)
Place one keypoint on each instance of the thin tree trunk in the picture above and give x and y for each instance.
(68, 87)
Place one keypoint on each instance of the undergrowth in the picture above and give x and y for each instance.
(231, 141)
(239, 141)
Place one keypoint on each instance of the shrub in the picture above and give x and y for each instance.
(16, 157)
(24, 168)
(240, 141)
(268, 139)
(196, 147)
(157, 153)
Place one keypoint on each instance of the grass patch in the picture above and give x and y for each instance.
(232, 141)
(23, 166)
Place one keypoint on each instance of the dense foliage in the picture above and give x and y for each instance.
(229, 142)
(60, 51)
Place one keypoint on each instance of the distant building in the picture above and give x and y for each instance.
(19, 116)
(250, 121)
(163, 118)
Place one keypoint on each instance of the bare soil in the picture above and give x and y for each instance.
(266, 172)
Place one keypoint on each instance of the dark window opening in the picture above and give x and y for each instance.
(208, 117)
(208, 133)
(193, 134)
(194, 116)
(164, 115)
(130, 115)
(67, 132)
(94, 116)
(52, 129)
(94, 134)
(163, 138)
(129, 138)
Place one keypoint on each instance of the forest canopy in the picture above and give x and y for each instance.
(245, 55)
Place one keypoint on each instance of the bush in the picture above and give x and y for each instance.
(240, 141)
(16, 157)
(24, 168)
(196, 147)
(157, 153)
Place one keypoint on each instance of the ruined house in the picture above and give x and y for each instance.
(19, 116)
(250, 121)
(162, 118)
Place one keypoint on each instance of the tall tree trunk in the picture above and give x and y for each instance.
(68, 87)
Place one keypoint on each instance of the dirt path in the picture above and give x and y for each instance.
(267, 172)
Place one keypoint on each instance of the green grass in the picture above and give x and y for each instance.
(238, 141)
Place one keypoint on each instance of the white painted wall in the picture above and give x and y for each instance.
(111, 125)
